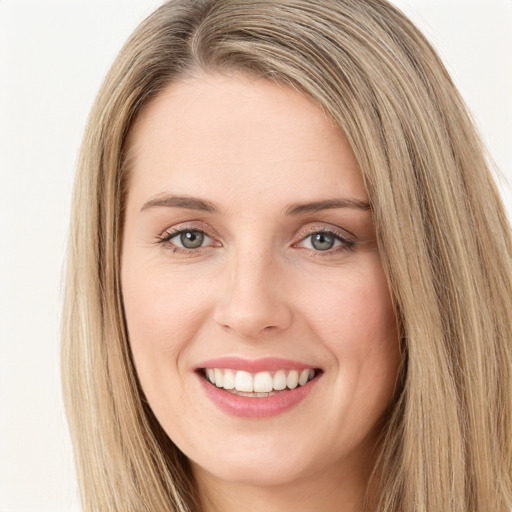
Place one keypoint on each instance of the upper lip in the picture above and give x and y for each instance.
(254, 365)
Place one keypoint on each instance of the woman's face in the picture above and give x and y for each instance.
(249, 258)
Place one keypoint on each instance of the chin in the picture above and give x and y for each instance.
(254, 472)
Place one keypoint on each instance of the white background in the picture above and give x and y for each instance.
(53, 56)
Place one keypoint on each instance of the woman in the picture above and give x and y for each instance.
(289, 277)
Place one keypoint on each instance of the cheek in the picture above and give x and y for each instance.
(357, 305)
(354, 319)
(162, 312)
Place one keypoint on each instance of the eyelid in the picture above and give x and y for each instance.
(169, 233)
(347, 240)
(326, 228)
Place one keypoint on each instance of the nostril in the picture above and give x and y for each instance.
(252, 309)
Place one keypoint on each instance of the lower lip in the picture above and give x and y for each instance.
(256, 407)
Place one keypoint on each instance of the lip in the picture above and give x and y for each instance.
(263, 364)
(255, 407)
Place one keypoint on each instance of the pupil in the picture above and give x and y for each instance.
(322, 241)
(192, 239)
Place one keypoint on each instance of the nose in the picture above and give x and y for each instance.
(253, 299)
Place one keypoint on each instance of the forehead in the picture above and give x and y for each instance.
(239, 134)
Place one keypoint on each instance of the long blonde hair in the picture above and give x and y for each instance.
(442, 232)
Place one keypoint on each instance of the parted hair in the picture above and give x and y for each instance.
(445, 244)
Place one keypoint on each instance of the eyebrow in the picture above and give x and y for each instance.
(188, 202)
(328, 204)
(193, 203)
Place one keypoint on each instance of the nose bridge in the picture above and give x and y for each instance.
(253, 300)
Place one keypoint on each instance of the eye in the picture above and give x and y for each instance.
(190, 239)
(186, 239)
(326, 241)
(322, 241)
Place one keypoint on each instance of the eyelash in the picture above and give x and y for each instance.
(165, 239)
(345, 243)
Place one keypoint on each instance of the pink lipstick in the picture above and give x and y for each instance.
(256, 388)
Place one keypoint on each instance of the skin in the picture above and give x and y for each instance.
(257, 287)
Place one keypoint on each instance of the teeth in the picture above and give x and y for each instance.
(229, 380)
(303, 377)
(292, 381)
(244, 382)
(261, 382)
(280, 380)
(219, 377)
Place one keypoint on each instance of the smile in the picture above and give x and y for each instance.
(261, 384)
(261, 388)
